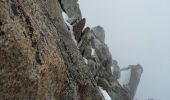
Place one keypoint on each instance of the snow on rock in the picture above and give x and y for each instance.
(125, 77)
(86, 61)
(112, 69)
(105, 94)
(65, 16)
(92, 51)
(79, 44)
(66, 19)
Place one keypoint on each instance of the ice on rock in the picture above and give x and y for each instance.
(105, 94)
(92, 51)
(85, 60)
(66, 19)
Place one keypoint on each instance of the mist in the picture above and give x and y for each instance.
(137, 31)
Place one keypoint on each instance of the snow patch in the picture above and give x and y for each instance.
(93, 51)
(85, 60)
(105, 94)
(112, 69)
(66, 20)
(65, 16)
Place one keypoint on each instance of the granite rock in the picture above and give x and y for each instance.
(71, 7)
(38, 58)
(99, 33)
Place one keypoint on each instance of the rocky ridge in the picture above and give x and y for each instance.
(99, 60)
(39, 59)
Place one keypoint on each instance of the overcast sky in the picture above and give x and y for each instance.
(137, 31)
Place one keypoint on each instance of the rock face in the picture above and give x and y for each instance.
(39, 60)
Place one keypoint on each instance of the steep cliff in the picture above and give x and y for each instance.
(47, 54)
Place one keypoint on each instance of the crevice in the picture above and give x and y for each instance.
(43, 38)
(24, 34)
(1, 23)
(2, 33)
(15, 9)
(34, 44)
(29, 25)
(18, 11)
(62, 7)
(37, 57)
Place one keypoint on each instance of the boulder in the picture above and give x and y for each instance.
(102, 52)
(85, 40)
(71, 7)
(136, 72)
(99, 33)
(78, 28)
(53, 8)
(83, 35)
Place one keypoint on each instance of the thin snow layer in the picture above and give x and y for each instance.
(85, 60)
(112, 69)
(92, 51)
(105, 94)
(66, 20)
(125, 77)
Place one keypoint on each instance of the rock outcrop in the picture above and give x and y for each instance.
(99, 33)
(135, 75)
(46, 57)
(38, 58)
(100, 62)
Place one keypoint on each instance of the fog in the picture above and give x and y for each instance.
(137, 31)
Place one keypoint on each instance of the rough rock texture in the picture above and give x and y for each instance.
(39, 59)
(78, 28)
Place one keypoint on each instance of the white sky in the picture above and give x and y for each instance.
(137, 31)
